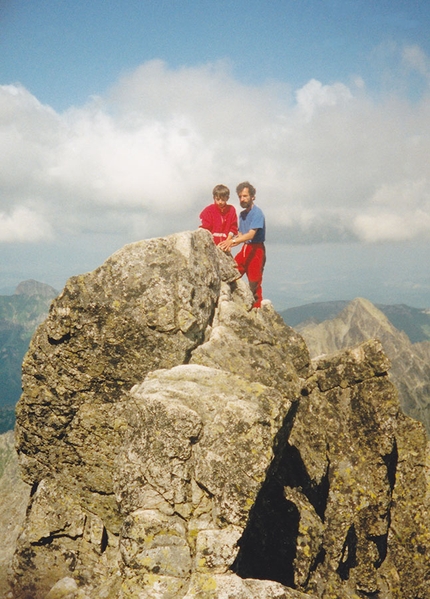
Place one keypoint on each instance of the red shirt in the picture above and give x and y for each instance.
(218, 223)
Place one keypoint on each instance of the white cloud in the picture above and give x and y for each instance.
(399, 212)
(25, 226)
(314, 95)
(329, 162)
(414, 58)
(387, 226)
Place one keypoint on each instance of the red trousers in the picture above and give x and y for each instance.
(250, 261)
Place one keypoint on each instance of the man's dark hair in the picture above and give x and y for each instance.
(251, 188)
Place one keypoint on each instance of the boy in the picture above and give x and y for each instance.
(220, 218)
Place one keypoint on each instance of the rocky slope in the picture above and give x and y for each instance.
(361, 320)
(180, 445)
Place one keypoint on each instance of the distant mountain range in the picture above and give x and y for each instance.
(20, 314)
(403, 331)
(415, 322)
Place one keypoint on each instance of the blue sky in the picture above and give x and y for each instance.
(65, 51)
(118, 118)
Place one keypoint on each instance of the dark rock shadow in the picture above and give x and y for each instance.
(268, 544)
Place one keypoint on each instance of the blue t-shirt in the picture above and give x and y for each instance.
(254, 219)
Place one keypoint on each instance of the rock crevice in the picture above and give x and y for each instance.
(182, 445)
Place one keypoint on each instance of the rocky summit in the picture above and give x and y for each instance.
(181, 445)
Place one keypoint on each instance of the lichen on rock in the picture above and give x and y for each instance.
(181, 444)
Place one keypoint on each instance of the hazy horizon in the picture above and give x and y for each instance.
(295, 282)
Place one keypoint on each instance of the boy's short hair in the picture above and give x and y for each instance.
(221, 191)
(244, 185)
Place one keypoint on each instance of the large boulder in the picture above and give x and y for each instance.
(181, 444)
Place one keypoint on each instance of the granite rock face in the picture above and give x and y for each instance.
(14, 496)
(181, 444)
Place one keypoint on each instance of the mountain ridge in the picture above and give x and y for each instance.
(20, 314)
(415, 322)
(360, 320)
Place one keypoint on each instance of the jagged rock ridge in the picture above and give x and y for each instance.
(181, 445)
(361, 320)
(415, 322)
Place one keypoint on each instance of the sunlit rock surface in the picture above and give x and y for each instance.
(14, 496)
(180, 444)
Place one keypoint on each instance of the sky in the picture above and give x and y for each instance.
(117, 118)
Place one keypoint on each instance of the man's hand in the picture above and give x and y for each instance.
(226, 245)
